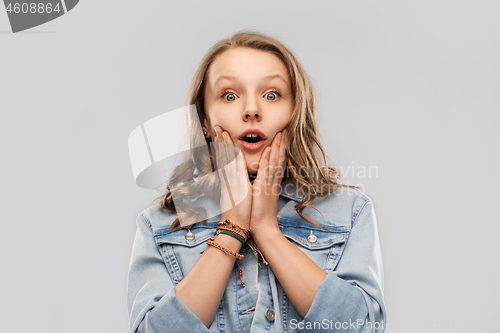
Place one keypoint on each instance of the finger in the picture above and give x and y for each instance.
(218, 161)
(273, 160)
(228, 173)
(231, 168)
(230, 151)
(275, 166)
(242, 186)
(282, 153)
(263, 172)
(216, 144)
(220, 153)
(278, 146)
(223, 148)
(241, 162)
(270, 168)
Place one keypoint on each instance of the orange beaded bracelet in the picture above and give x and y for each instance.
(236, 231)
(224, 249)
(243, 235)
(233, 225)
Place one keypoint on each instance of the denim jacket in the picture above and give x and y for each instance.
(350, 299)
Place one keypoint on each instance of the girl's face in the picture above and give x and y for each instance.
(248, 91)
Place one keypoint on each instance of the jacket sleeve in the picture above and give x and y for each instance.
(350, 299)
(152, 303)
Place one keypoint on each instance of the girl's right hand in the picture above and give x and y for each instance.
(236, 189)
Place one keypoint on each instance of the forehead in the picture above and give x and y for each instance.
(248, 64)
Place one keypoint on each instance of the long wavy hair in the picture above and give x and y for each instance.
(304, 151)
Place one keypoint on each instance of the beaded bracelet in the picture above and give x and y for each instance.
(233, 225)
(224, 249)
(232, 234)
(243, 235)
(235, 231)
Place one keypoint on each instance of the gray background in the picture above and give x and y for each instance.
(410, 87)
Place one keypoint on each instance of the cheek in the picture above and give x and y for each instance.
(282, 120)
(227, 121)
(289, 113)
(285, 114)
(215, 116)
(213, 119)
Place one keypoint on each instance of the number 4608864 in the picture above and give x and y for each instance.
(32, 8)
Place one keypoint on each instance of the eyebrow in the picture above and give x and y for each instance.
(265, 78)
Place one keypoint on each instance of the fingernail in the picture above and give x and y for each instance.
(216, 134)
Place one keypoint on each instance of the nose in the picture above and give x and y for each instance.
(252, 110)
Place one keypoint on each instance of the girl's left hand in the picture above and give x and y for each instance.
(267, 185)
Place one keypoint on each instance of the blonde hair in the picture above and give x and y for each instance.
(304, 151)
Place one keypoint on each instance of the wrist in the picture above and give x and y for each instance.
(229, 242)
(243, 222)
(269, 238)
(267, 231)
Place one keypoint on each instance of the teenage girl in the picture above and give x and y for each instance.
(288, 249)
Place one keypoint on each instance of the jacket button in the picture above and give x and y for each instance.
(311, 238)
(270, 315)
(189, 235)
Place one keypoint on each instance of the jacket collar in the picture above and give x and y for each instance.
(289, 189)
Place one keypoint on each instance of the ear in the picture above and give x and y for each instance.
(206, 129)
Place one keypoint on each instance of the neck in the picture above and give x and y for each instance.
(251, 178)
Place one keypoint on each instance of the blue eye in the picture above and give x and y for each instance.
(273, 95)
(229, 96)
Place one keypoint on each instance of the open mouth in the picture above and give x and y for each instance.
(252, 138)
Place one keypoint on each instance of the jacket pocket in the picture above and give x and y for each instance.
(323, 247)
(179, 252)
